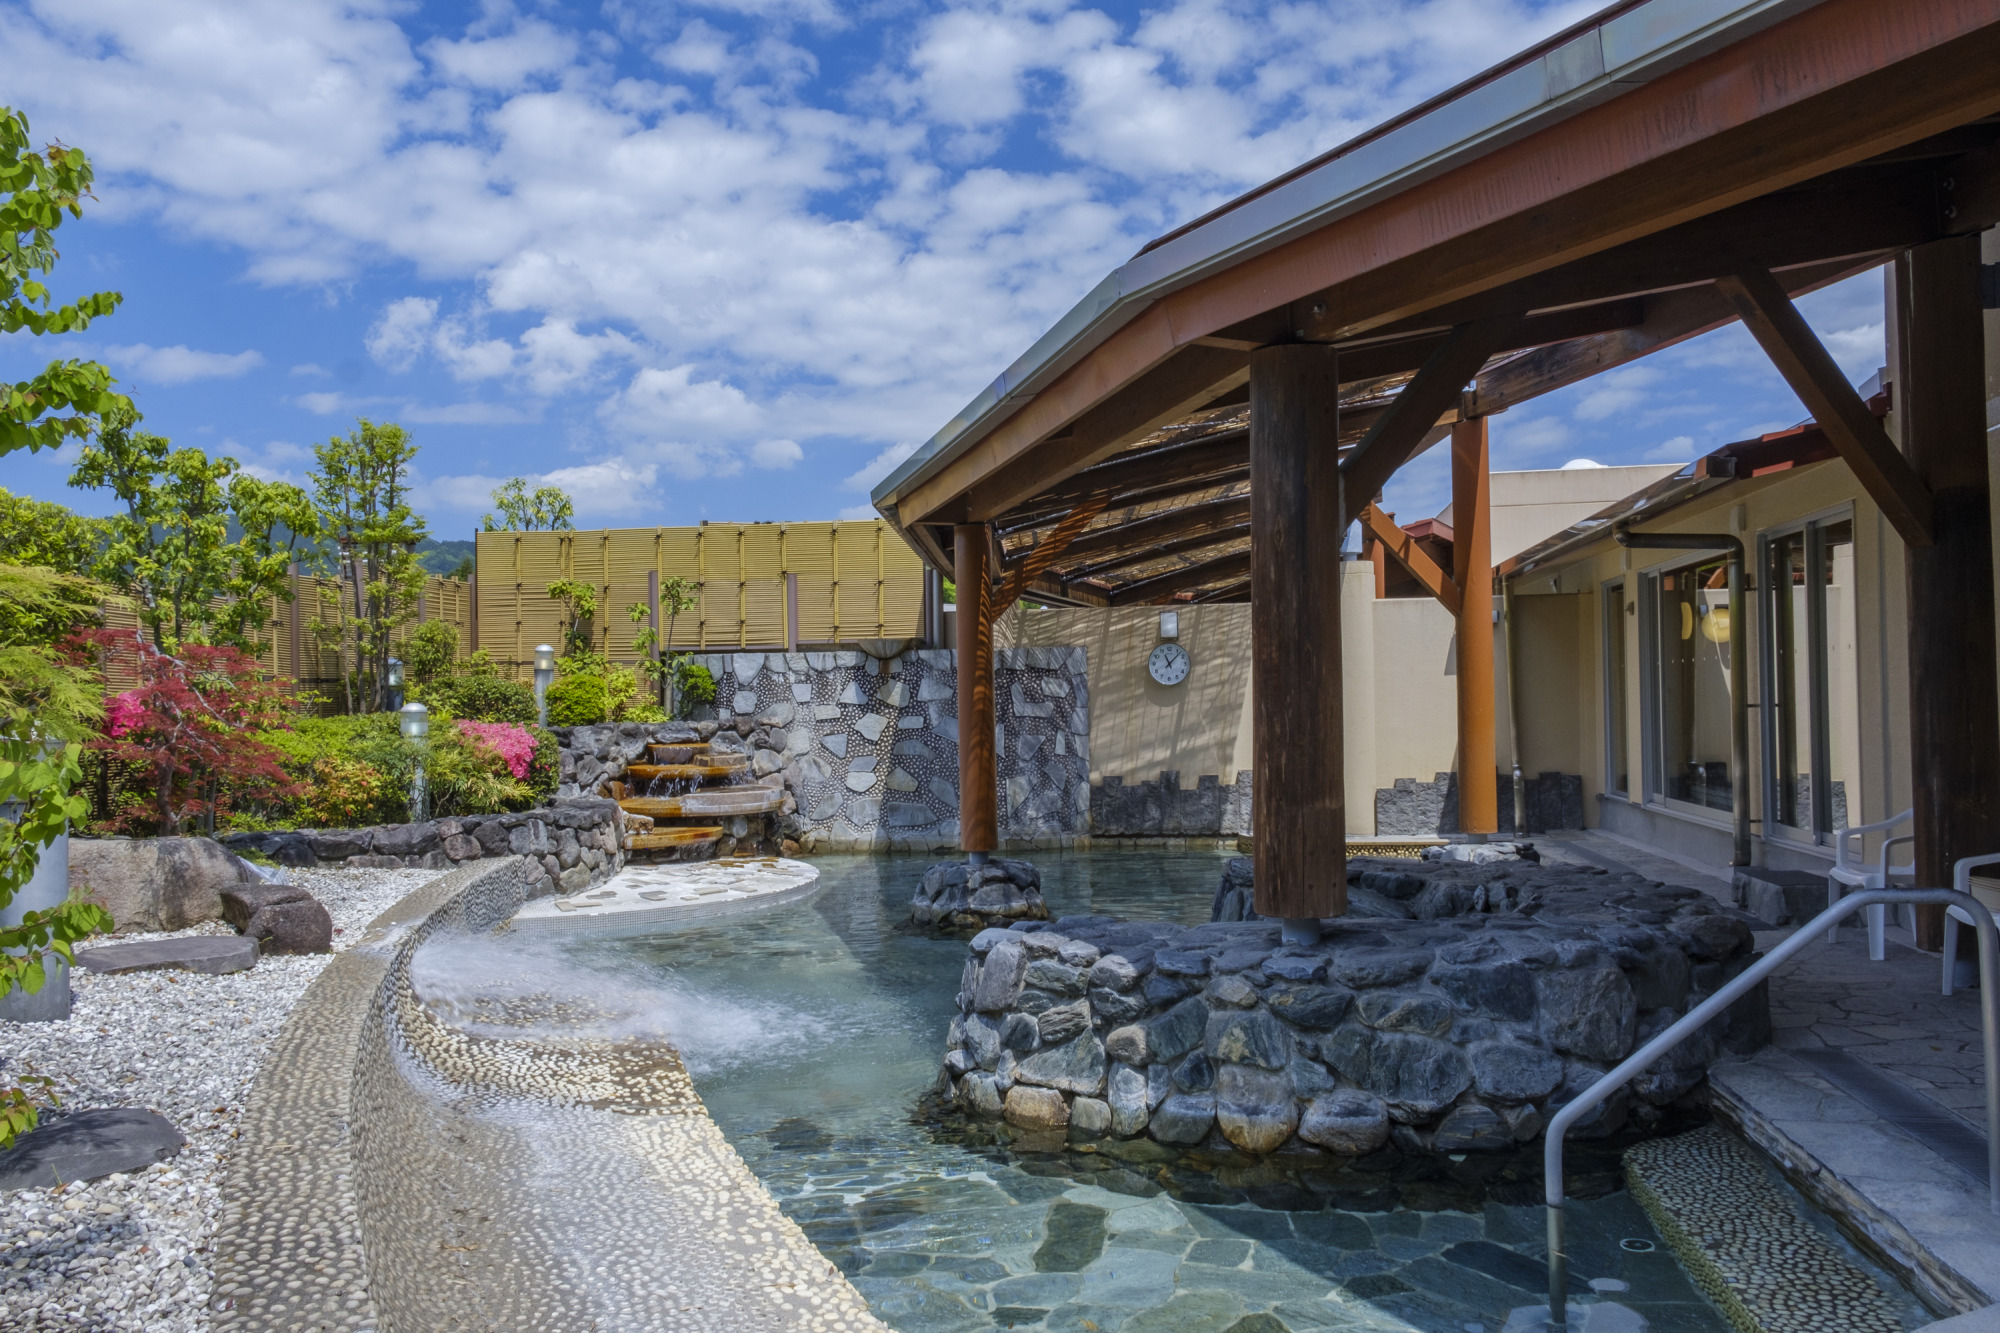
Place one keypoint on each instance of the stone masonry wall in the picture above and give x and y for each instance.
(570, 844)
(1466, 1005)
(1165, 809)
(867, 748)
(1555, 801)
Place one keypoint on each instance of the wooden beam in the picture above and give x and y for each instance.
(1472, 572)
(1228, 592)
(1224, 451)
(1953, 655)
(1797, 353)
(1300, 815)
(1188, 521)
(1162, 586)
(1437, 388)
(1410, 556)
(1139, 555)
(978, 774)
(1044, 554)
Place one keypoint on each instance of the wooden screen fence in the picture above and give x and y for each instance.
(758, 586)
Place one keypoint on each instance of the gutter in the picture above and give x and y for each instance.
(1632, 46)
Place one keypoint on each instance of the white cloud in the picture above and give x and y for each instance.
(776, 453)
(504, 62)
(1618, 392)
(1679, 449)
(859, 511)
(611, 487)
(312, 369)
(881, 465)
(179, 364)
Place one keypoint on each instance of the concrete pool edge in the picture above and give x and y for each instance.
(319, 1226)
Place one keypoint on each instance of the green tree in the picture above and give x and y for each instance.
(548, 508)
(170, 549)
(579, 613)
(36, 532)
(45, 589)
(361, 489)
(65, 401)
(656, 653)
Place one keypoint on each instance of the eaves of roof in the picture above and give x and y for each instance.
(1622, 47)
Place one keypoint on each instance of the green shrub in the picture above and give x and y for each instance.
(694, 685)
(545, 769)
(480, 699)
(576, 701)
(431, 651)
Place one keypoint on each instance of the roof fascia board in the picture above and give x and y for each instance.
(1595, 66)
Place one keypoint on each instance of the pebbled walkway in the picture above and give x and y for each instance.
(397, 1174)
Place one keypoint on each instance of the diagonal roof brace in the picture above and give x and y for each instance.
(1411, 556)
(1807, 366)
(1437, 389)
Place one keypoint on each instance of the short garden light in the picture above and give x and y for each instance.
(395, 683)
(545, 671)
(414, 720)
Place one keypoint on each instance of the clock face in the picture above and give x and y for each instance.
(1168, 664)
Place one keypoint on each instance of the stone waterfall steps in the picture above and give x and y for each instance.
(682, 826)
(1741, 1237)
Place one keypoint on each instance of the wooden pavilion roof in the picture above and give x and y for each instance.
(1644, 177)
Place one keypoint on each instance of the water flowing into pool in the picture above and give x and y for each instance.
(814, 1032)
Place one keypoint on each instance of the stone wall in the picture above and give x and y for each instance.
(867, 748)
(1455, 1008)
(1165, 809)
(1555, 801)
(570, 844)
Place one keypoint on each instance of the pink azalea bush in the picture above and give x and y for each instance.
(122, 714)
(514, 745)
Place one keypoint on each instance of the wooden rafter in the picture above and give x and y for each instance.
(1807, 366)
(1124, 559)
(1188, 521)
(1230, 567)
(1044, 554)
(1411, 556)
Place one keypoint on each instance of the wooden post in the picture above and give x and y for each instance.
(978, 776)
(1954, 712)
(1472, 570)
(1300, 814)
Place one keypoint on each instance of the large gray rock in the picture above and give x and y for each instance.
(1351, 1123)
(1078, 1066)
(1183, 1118)
(212, 955)
(86, 1145)
(1255, 1108)
(156, 883)
(957, 895)
(298, 926)
(1587, 1011)
(1416, 1076)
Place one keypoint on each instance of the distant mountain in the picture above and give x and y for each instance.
(451, 559)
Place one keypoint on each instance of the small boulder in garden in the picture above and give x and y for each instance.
(957, 895)
(156, 883)
(282, 918)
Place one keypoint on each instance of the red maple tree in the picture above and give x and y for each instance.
(190, 721)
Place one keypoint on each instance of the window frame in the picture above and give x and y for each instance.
(1819, 717)
(1617, 688)
(1651, 718)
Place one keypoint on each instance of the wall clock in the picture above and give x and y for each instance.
(1168, 664)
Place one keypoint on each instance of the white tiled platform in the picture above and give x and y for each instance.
(642, 898)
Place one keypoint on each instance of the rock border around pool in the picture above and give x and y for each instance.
(1465, 1006)
(331, 1207)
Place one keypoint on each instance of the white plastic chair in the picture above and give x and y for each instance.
(1850, 874)
(1961, 879)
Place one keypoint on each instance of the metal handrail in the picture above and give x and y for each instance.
(1697, 1017)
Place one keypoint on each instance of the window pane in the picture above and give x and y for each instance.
(1843, 694)
(1694, 634)
(1614, 690)
(1791, 677)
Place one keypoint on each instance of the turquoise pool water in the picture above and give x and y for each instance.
(814, 1032)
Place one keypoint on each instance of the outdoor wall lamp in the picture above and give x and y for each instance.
(545, 671)
(1170, 624)
(414, 721)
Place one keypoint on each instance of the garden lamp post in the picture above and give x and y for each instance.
(395, 684)
(545, 671)
(415, 722)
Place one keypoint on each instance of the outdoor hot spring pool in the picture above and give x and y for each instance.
(814, 1031)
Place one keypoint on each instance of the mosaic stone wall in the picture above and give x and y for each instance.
(867, 748)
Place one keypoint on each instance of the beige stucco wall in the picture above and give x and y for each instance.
(1563, 703)
(1531, 505)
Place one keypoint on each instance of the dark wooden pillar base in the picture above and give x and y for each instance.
(1472, 570)
(1300, 812)
(978, 775)
(1954, 709)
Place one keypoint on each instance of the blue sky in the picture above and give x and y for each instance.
(728, 260)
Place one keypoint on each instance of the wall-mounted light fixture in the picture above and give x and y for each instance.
(1170, 624)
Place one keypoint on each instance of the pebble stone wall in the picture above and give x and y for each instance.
(368, 1195)
(868, 747)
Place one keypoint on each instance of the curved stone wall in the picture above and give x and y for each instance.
(1454, 1009)
(383, 1182)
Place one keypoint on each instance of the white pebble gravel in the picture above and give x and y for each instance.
(133, 1251)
